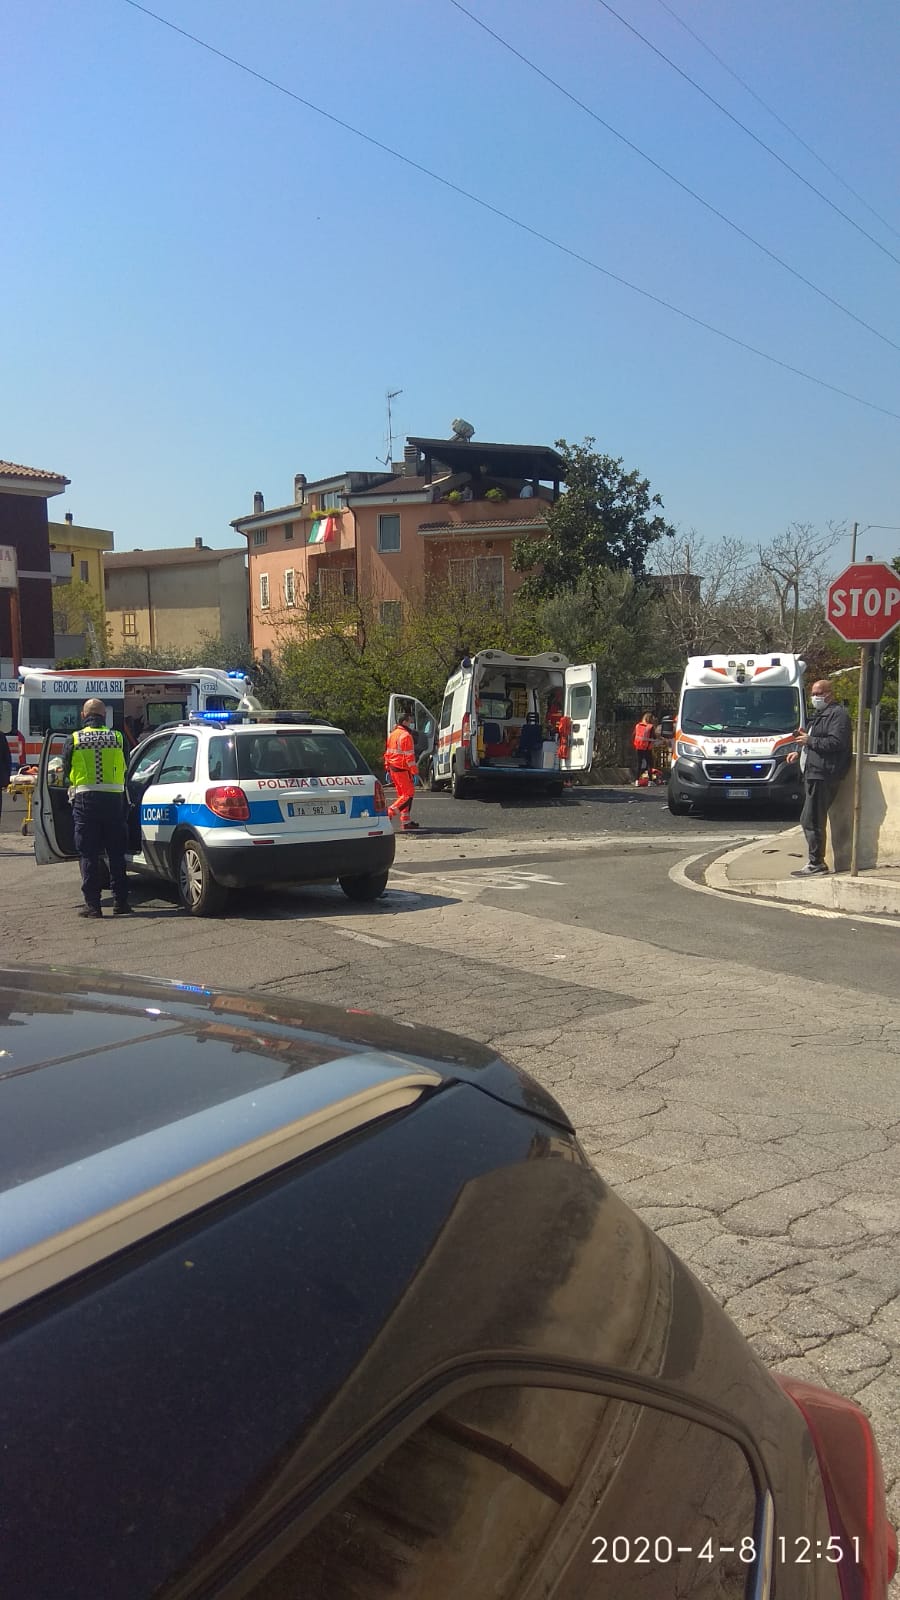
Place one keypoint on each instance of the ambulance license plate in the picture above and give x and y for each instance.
(738, 794)
(316, 808)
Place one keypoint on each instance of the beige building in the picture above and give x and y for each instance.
(76, 556)
(167, 599)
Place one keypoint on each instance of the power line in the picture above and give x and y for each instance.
(506, 216)
(779, 119)
(744, 129)
(686, 189)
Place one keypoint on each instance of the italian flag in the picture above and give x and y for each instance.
(323, 530)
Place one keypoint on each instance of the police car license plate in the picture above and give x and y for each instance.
(315, 808)
(738, 794)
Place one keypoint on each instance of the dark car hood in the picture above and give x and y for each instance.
(129, 1053)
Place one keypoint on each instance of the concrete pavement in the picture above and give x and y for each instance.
(765, 867)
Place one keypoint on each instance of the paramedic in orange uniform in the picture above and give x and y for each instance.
(401, 765)
(642, 739)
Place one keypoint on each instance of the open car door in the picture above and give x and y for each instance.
(423, 731)
(581, 708)
(54, 829)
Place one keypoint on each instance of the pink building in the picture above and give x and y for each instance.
(448, 515)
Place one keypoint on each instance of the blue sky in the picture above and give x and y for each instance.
(208, 288)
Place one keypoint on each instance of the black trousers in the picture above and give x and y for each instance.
(819, 795)
(643, 762)
(100, 830)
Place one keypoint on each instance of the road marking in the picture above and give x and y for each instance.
(679, 875)
(364, 938)
(474, 879)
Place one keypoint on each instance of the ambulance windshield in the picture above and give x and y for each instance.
(740, 711)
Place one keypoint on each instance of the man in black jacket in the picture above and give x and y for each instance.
(5, 767)
(824, 760)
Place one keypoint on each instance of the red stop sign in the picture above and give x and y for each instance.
(863, 604)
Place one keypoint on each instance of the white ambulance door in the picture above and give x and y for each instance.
(423, 722)
(581, 708)
(444, 737)
(54, 828)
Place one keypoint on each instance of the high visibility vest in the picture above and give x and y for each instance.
(98, 762)
(400, 750)
(643, 735)
(563, 737)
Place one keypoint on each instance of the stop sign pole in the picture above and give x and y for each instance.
(863, 606)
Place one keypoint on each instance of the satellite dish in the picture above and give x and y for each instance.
(462, 431)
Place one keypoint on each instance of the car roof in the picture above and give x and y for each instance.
(126, 1103)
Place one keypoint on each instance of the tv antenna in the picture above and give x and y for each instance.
(387, 461)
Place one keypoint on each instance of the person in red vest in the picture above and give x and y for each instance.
(642, 739)
(402, 768)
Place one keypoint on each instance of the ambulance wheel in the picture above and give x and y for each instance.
(198, 890)
(459, 785)
(554, 790)
(368, 886)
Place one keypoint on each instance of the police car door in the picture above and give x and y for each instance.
(581, 708)
(143, 770)
(54, 832)
(169, 799)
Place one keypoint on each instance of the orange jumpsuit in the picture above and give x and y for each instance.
(400, 761)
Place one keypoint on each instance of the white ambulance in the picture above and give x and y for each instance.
(498, 723)
(137, 699)
(737, 718)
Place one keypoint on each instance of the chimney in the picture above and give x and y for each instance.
(199, 545)
(410, 461)
(69, 518)
(299, 488)
(259, 504)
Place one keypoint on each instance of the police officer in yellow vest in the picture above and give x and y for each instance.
(94, 770)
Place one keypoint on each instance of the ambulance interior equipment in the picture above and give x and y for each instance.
(737, 717)
(523, 718)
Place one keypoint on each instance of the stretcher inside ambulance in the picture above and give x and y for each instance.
(523, 719)
(138, 700)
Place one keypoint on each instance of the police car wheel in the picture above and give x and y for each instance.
(197, 888)
(368, 886)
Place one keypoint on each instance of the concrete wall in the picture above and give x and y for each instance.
(879, 836)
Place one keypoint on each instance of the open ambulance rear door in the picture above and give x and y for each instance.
(423, 731)
(581, 708)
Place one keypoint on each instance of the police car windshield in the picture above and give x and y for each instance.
(740, 711)
(263, 753)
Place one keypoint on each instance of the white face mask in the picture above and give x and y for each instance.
(818, 701)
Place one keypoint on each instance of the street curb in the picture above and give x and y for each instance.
(865, 896)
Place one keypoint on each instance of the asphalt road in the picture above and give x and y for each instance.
(732, 1068)
(502, 812)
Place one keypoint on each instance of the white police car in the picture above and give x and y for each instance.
(228, 801)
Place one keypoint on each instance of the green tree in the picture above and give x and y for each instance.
(607, 519)
(607, 618)
(77, 608)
